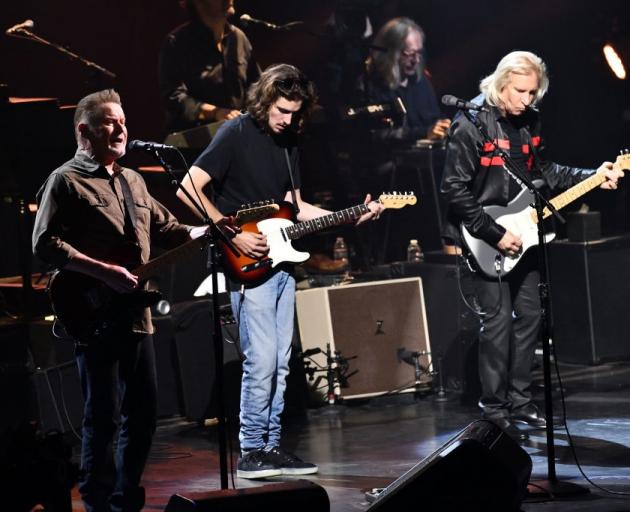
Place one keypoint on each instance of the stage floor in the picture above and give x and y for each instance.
(361, 445)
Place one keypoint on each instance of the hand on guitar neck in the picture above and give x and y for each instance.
(613, 174)
(375, 207)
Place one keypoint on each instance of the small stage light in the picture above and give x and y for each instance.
(614, 60)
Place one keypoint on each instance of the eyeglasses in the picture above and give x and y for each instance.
(292, 84)
(409, 54)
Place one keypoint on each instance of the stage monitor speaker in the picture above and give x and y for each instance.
(298, 495)
(590, 294)
(367, 323)
(481, 469)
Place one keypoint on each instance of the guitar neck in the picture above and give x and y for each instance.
(570, 195)
(151, 268)
(307, 227)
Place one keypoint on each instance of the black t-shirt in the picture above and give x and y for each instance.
(248, 164)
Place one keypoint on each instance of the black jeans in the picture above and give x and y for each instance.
(508, 338)
(118, 380)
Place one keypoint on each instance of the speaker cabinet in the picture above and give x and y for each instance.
(299, 495)
(196, 359)
(367, 324)
(59, 397)
(590, 294)
(480, 469)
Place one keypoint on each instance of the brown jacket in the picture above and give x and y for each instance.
(81, 208)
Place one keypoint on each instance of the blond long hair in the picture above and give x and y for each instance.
(519, 63)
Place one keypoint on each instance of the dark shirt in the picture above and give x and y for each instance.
(81, 209)
(193, 71)
(248, 164)
(513, 126)
(419, 100)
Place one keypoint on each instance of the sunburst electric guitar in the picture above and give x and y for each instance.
(280, 230)
(519, 217)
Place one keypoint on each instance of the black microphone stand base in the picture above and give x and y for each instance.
(539, 490)
(440, 395)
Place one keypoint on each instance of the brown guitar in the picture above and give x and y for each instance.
(87, 307)
(280, 229)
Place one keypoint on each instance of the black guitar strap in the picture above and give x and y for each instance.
(130, 205)
(295, 205)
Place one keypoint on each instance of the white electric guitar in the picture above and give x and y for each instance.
(520, 218)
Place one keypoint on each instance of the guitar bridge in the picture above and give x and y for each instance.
(259, 264)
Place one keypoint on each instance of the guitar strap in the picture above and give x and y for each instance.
(130, 206)
(295, 205)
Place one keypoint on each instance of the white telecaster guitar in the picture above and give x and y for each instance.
(520, 218)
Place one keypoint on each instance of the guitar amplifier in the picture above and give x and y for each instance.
(377, 327)
(590, 293)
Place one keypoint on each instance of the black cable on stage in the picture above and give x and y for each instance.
(621, 494)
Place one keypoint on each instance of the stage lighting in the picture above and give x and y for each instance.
(614, 58)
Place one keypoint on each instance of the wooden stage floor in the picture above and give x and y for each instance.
(361, 445)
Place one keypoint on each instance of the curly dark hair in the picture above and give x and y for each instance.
(280, 80)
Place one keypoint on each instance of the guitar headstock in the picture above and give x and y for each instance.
(622, 162)
(397, 199)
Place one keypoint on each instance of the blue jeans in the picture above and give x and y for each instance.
(265, 319)
(119, 384)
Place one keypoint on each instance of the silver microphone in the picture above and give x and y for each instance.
(26, 24)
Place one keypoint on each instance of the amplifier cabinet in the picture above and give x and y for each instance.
(590, 297)
(369, 324)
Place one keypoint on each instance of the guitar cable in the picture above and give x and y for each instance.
(483, 315)
(625, 495)
(476, 308)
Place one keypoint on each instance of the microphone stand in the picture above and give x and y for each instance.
(23, 33)
(214, 235)
(551, 485)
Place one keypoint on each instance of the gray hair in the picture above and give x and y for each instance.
(520, 63)
(391, 37)
(89, 108)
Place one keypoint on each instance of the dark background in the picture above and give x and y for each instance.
(586, 112)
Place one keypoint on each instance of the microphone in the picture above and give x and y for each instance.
(26, 24)
(148, 146)
(247, 19)
(452, 101)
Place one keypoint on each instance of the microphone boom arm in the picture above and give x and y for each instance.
(27, 34)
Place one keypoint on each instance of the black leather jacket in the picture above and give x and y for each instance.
(474, 175)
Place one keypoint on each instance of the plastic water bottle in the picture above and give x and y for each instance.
(414, 253)
(340, 250)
